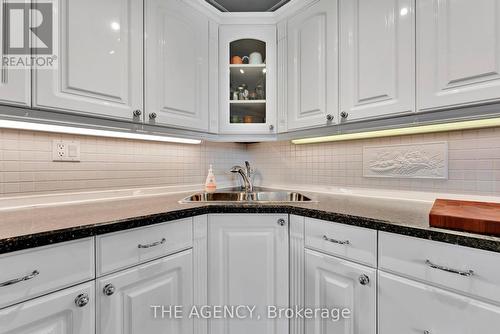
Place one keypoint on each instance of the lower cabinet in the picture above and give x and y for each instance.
(70, 311)
(142, 299)
(340, 285)
(248, 266)
(407, 306)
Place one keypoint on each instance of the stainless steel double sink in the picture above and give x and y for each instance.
(248, 197)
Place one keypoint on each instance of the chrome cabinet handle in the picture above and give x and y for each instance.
(335, 241)
(281, 222)
(271, 127)
(329, 117)
(153, 115)
(364, 280)
(34, 274)
(154, 244)
(344, 114)
(466, 273)
(109, 289)
(82, 300)
(137, 113)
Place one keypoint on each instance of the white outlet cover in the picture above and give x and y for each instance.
(65, 150)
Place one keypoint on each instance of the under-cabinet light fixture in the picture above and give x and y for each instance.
(432, 128)
(6, 124)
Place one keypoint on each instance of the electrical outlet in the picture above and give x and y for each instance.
(63, 150)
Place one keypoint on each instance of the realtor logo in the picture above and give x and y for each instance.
(28, 34)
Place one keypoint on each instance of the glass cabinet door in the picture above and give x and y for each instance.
(247, 79)
(247, 91)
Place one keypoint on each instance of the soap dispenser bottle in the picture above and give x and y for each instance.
(210, 184)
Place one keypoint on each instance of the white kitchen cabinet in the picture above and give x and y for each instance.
(100, 69)
(128, 248)
(331, 282)
(254, 112)
(70, 311)
(377, 52)
(458, 53)
(15, 83)
(125, 299)
(313, 66)
(41, 270)
(461, 269)
(177, 70)
(407, 306)
(248, 265)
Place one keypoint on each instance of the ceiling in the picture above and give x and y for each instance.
(247, 5)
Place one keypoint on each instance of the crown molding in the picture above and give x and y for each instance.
(243, 18)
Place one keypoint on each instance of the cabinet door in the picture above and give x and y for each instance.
(377, 68)
(15, 83)
(248, 265)
(335, 283)
(56, 313)
(312, 66)
(256, 113)
(125, 299)
(176, 65)
(100, 60)
(406, 306)
(458, 52)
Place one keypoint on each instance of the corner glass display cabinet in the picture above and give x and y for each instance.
(247, 79)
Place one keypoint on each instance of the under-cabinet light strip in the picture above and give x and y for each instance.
(465, 125)
(6, 124)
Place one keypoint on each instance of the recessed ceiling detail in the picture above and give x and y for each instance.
(247, 6)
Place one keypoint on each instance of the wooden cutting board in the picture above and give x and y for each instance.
(467, 216)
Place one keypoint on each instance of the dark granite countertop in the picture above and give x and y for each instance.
(39, 226)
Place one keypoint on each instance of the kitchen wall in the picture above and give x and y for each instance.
(474, 163)
(26, 165)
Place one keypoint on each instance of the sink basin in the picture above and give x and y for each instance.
(257, 197)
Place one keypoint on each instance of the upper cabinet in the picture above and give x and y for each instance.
(377, 68)
(336, 65)
(100, 61)
(247, 68)
(177, 68)
(313, 66)
(458, 53)
(15, 83)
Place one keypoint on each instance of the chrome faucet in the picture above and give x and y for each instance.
(246, 175)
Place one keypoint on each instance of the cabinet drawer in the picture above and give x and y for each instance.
(124, 249)
(31, 273)
(406, 306)
(349, 242)
(468, 270)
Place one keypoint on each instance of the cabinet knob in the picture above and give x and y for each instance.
(281, 222)
(271, 127)
(153, 115)
(344, 114)
(364, 280)
(329, 117)
(137, 113)
(82, 300)
(109, 289)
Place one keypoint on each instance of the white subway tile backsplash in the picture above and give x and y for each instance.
(473, 163)
(26, 165)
